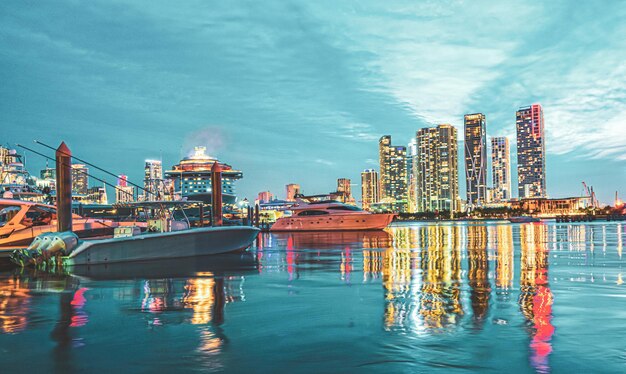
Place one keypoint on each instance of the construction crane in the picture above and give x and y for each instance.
(590, 193)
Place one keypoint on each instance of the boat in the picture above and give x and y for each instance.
(22, 221)
(524, 219)
(330, 216)
(165, 237)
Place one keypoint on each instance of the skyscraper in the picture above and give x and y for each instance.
(501, 169)
(370, 193)
(292, 190)
(476, 158)
(437, 169)
(531, 151)
(123, 192)
(80, 179)
(393, 182)
(265, 197)
(153, 180)
(411, 176)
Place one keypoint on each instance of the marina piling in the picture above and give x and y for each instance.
(216, 193)
(64, 188)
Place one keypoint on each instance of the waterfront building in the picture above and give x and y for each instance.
(500, 169)
(96, 195)
(531, 152)
(80, 179)
(476, 158)
(292, 190)
(265, 197)
(437, 169)
(552, 207)
(153, 180)
(411, 176)
(191, 177)
(370, 188)
(393, 180)
(123, 192)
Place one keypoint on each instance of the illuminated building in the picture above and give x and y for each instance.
(265, 197)
(437, 169)
(501, 169)
(96, 195)
(476, 159)
(370, 193)
(191, 177)
(411, 176)
(393, 188)
(48, 173)
(80, 179)
(531, 152)
(292, 190)
(552, 207)
(123, 192)
(344, 191)
(153, 180)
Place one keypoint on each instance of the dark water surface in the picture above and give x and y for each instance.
(417, 298)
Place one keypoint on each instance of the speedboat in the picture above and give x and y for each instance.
(22, 221)
(331, 216)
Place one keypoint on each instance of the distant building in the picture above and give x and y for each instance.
(265, 197)
(191, 178)
(96, 195)
(292, 190)
(393, 180)
(123, 192)
(437, 169)
(552, 207)
(411, 176)
(476, 158)
(48, 173)
(80, 179)
(531, 152)
(500, 169)
(344, 191)
(153, 180)
(370, 192)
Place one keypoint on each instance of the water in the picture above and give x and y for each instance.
(418, 298)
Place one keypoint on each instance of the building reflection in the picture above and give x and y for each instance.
(478, 269)
(536, 298)
(504, 257)
(14, 304)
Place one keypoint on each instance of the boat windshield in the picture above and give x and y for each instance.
(312, 213)
(345, 207)
(7, 213)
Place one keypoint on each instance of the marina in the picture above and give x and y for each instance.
(415, 297)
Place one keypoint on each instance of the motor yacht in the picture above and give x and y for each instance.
(22, 221)
(330, 216)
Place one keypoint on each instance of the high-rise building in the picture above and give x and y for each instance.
(48, 173)
(393, 180)
(80, 179)
(369, 188)
(476, 159)
(437, 169)
(123, 192)
(500, 169)
(153, 180)
(96, 195)
(292, 190)
(531, 152)
(265, 197)
(411, 176)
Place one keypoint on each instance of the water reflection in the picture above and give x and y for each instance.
(461, 288)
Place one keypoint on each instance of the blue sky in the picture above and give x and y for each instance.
(301, 91)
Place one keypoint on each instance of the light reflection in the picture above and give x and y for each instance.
(536, 298)
(14, 305)
(478, 268)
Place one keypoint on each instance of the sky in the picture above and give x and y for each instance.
(301, 91)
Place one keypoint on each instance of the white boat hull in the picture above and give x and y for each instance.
(177, 244)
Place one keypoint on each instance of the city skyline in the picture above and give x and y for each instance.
(308, 99)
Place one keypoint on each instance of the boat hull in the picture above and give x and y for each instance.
(334, 222)
(178, 244)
